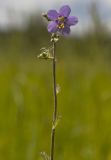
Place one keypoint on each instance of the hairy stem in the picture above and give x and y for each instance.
(55, 103)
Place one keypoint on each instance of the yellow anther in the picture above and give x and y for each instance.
(61, 26)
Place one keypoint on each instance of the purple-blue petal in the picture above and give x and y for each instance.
(72, 20)
(52, 15)
(65, 11)
(66, 31)
(52, 27)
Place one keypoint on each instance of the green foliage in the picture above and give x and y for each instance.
(26, 108)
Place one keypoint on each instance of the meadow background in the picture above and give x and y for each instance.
(26, 94)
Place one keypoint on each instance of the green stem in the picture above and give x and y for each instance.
(55, 103)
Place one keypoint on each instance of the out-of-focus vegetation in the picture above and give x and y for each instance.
(26, 96)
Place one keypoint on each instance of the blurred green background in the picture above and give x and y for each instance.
(26, 94)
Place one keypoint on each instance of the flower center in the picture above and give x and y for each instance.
(61, 21)
(61, 26)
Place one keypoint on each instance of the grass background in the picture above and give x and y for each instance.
(26, 96)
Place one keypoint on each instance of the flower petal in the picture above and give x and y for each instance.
(52, 27)
(52, 15)
(65, 11)
(66, 31)
(72, 20)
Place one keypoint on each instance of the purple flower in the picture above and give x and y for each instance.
(61, 21)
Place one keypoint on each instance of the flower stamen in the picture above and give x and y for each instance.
(61, 26)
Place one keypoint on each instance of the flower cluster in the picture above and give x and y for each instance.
(61, 21)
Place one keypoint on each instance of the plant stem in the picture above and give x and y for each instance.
(55, 103)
